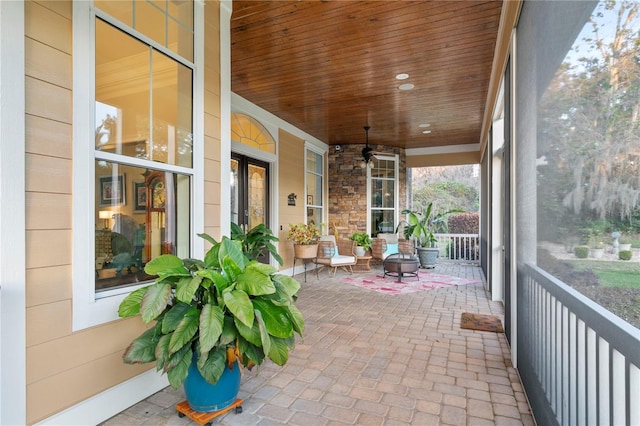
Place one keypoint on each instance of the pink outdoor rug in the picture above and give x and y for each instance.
(390, 285)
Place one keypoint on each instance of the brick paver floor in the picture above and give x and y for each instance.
(375, 359)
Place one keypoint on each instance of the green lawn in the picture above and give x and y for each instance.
(612, 274)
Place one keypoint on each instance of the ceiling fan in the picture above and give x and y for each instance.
(368, 154)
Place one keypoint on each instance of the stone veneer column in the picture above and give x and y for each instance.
(348, 187)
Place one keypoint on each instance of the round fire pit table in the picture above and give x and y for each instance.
(399, 265)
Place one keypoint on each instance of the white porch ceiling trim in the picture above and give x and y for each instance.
(450, 149)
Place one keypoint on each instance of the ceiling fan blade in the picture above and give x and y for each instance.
(381, 155)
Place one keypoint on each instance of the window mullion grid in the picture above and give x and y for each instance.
(139, 162)
(151, 103)
(144, 39)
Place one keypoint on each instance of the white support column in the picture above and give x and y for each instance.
(226, 8)
(497, 205)
(12, 215)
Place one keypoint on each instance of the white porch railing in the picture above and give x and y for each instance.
(580, 364)
(459, 248)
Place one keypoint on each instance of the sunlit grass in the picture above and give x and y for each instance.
(611, 274)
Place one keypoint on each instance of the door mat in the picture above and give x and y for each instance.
(481, 322)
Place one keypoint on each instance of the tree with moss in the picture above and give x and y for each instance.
(589, 132)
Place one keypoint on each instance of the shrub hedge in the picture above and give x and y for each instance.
(464, 223)
(581, 252)
(625, 254)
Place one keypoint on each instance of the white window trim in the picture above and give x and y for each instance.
(321, 152)
(88, 310)
(396, 211)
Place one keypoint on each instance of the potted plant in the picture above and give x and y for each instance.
(625, 243)
(596, 249)
(420, 226)
(209, 316)
(305, 239)
(363, 242)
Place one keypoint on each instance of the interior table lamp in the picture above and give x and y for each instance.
(105, 215)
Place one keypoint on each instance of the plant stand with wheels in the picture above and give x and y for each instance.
(204, 418)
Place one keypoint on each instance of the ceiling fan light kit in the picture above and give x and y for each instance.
(367, 154)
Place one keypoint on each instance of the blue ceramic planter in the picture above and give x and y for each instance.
(205, 397)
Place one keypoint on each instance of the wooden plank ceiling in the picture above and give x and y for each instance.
(329, 67)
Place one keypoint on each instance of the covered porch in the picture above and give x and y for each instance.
(372, 358)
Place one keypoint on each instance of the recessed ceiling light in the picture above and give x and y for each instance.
(406, 86)
(426, 132)
(423, 125)
(402, 76)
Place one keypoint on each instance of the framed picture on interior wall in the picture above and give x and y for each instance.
(309, 212)
(139, 197)
(309, 199)
(111, 190)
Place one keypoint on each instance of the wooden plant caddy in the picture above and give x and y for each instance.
(205, 418)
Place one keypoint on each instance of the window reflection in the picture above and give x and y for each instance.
(140, 214)
(143, 100)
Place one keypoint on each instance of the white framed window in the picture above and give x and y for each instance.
(134, 109)
(314, 192)
(382, 195)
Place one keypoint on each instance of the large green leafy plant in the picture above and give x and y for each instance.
(215, 311)
(420, 224)
(257, 242)
(362, 239)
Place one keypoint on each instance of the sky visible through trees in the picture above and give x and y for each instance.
(589, 133)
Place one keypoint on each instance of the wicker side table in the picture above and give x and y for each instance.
(362, 264)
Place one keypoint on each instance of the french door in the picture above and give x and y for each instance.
(249, 191)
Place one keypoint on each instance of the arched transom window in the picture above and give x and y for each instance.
(248, 131)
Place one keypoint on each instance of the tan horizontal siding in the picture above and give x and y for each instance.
(47, 64)
(48, 396)
(47, 100)
(48, 247)
(47, 285)
(212, 148)
(291, 179)
(212, 130)
(73, 350)
(50, 23)
(48, 174)
(57, 206)
(48, 322)
(48, 137)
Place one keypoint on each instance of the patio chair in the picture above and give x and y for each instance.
(332, 254)
(383, 245)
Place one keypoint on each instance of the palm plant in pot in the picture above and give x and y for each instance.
(210, 316)
(420, 226)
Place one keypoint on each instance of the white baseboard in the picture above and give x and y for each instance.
(110, 402)
(299, 269)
